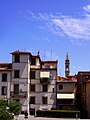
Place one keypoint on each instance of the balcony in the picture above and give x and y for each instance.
(44, 81)
(22, 94)
(44, 74)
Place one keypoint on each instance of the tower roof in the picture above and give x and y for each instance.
(67, 56)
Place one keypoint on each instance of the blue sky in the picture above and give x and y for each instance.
(52, 27)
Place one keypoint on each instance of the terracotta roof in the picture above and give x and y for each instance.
(84, 72)
(5, 66)
(69, 78)
(20, 52)
(61, 78)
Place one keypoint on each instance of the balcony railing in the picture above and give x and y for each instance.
(18, 94)
(44, 80)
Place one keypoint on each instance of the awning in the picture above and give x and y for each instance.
(65, 96)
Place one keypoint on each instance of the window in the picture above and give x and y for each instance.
(16, 89)
(44, 88)
(17, 58)
(32, 100)
(33, 61)
(44, 100)
(4, 90)
(16, 73)
(4, 77)
(32, 88)
(60, 87)
(53, 89)
(86, 76)
(32, 74)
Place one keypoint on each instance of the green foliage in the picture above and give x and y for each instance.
(58, 113)
(3, 103)
(5, 115)
(14, 107)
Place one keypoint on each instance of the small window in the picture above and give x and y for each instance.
(44, 88)
(4, 77)
(4, 90)
(32, 74)
(16, 89)
(44, 100)
(53, 89)
(32, 88)
(16, 73)
(33, 61)
(60, 87)
(17, 58)
(32, 100)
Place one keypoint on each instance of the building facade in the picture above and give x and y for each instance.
(83, 93)
(5, 80)
(20, 83)
(30, 81)
(43, 86)
(66, 87)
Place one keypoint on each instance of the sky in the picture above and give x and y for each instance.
(52, 27)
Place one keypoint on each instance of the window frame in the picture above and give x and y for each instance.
(60, 87)
(4, 90)
(4, 77)
(44, 100)
(33, 61)
(32, 88)
(32, 100)
(44, 88)
(16, 73)
(17, 58)
(16, 91)
(33, 74)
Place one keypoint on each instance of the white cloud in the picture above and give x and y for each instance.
(74, 28)
(87, 8)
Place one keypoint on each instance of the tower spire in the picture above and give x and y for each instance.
(67, 65)
(66, 56)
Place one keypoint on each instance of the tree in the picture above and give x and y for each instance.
(3, 103)
(5, 114)
(7, 109)
(14, 107)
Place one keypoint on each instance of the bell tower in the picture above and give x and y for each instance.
(67, 65)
